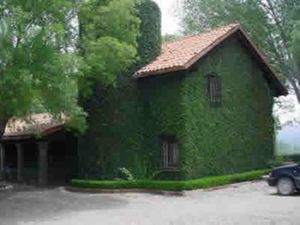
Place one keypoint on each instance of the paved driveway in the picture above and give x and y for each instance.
(246, 203)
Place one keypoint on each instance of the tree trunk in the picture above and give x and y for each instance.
(296, 89)
(2, 129)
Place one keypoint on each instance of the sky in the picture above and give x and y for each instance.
(170, 24)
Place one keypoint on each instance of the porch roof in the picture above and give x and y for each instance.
(41, 124)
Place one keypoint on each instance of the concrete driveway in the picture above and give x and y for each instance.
(246, 203)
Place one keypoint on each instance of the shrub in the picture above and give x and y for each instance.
(124, 174)
(295, 158)
(277, 161)
(206, 182)
(281, 160)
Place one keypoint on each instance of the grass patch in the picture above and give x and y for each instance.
(201, 183)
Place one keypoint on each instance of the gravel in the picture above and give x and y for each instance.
(246, 203)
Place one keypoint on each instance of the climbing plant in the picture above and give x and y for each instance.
(114, 137)
(127, 122)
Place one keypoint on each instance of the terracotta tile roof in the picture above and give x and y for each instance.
(36, 124)
(181, 54)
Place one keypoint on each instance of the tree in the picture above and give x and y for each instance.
(149, 42)
(170, 37)
(107, 45)
(271, 24)
(36, 64)
(296, 43)
(44, 64)
(108, 41)
(113, 107)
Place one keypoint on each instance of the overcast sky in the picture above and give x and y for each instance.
(170, 24)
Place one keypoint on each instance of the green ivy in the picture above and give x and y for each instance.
(238, 136)
(125, 123)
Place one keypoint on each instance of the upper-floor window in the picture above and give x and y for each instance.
(214, 89)
(170, 153)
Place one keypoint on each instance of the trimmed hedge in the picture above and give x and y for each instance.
(206, 182)
(295, 158)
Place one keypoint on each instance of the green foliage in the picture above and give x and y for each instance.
(170, 37)
(277, 161)
(202, 183)
(239, 135)
(270, 24)
(296, 43)
(295, 158)
(150, 40)
(124, 174)
(235, 137)
(35, 64)
(127, 122)
(115, 134)
(282, 160)
(108, 41)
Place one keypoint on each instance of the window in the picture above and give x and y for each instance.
(170, 153)
(214, 89)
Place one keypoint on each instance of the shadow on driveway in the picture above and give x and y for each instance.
(32, 204)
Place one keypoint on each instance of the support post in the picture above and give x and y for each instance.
(43, 163)
(2, 162)
(20, 162)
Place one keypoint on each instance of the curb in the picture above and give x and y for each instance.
(124, 191)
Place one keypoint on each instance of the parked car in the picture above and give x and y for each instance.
(285, 178)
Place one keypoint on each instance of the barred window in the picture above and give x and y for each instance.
(170, 153)
(214, 89)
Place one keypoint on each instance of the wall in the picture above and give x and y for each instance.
(237, 136)
(163, 115)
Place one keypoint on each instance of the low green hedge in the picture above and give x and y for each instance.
(295, 158)
(206, 182)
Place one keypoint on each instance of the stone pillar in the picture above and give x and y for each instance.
(43, 163)
(20, 155)
(2, 155)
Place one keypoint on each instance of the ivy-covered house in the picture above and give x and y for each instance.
(189, 108)
(202, 107)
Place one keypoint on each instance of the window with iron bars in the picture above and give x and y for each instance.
(214, 89)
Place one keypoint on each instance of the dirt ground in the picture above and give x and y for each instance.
(245, 203)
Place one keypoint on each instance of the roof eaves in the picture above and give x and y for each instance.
(158, 72)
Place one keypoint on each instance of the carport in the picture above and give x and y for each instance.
(38, 150)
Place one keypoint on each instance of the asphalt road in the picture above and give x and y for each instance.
(246, 203)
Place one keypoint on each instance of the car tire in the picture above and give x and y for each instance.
(285, 186)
